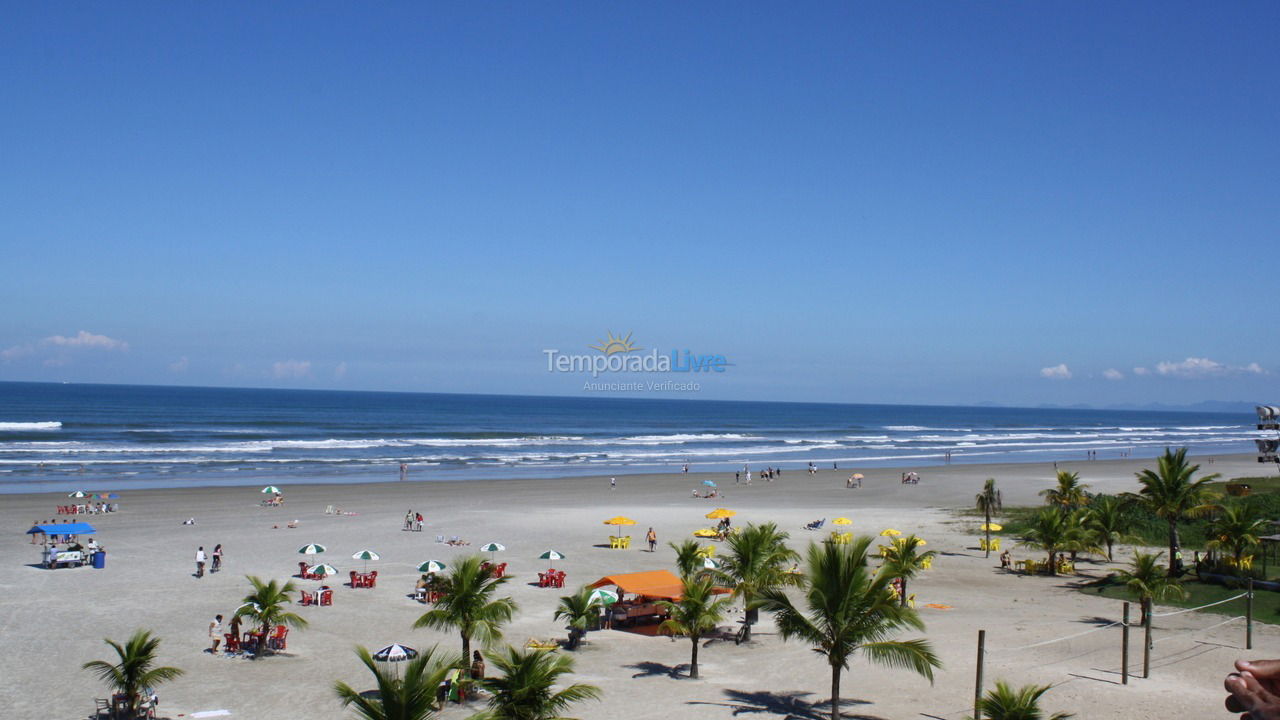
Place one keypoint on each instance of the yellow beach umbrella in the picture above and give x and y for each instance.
(992, 527)
(890, 532)
(619, 520)
(720, 513)
(842, 521)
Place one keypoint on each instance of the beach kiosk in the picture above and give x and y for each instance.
(646, 589)
(72, 555)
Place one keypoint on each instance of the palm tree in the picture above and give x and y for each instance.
(577, 609)
(696, 613)
(688, 558)
(1078, 536)
(136, 669)
(1069, 493)
(903, 560)
(411, 696)
(988, 503)
(525, 689)
(1007, 703)
(1236, 530)
(1107, 517)
(1170, 493)
(1047, 531)
(265, 608)
(467, 605)
(1146, 581)
(757, 559)
(846, 609)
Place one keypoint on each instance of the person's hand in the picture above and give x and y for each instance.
(1254, 689)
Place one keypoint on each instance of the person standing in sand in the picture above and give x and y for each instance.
(652, 537)
(200, 559)
(613, 483)
(215, 632)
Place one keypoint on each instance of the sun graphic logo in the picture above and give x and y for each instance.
(613, 345)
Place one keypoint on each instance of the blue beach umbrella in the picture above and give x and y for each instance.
(709, 483)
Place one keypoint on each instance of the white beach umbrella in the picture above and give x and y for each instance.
(366, 556)
(323, 570)
(395, 653)
(551, 555)
(78, 494)
(271, 489)
(602, 596)
(492, 548)
(311, 549)
(432, 566)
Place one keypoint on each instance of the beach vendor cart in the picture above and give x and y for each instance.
(59, 545)
(639, 594)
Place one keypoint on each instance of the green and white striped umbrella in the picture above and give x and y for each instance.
(366, 556)
(248, 606)
(492, 548)
(323, 570)
(432, 566)
(551, 555)
(602, 596)
(78, 493)
(711, 563)
(312, 549)
(271, 489)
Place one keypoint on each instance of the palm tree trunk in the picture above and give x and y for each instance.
(466, 648)
(693, 661)
(1053, 565)
(835, 692)
(902, 595)
(750, 616)
(1174, 546)
(987, 513)
(1109, 558)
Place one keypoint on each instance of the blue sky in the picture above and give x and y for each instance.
(945, 202)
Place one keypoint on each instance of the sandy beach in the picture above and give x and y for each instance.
(53, 621)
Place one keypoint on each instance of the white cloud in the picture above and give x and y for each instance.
(180, 365)
(1057, 372)
(340, 371)
(55, 347)
(291, 369)
(1141, 371)
(1112, 374)
(1194, 367)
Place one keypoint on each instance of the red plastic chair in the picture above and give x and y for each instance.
(355, 580)
(302, 571)
(326, 597)
(308, 598)
(500, 570)
(373, 579)
(277, 639)
(232, 644)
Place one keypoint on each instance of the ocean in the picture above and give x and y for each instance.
(59, 437)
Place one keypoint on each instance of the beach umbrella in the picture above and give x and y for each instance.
(432, 566)
(271, 489)
(311, 549)
(551, 555)
(857, 476)
(890, 532)
(842, 521)
(710, 563)
(720, 513)
(252, 606)
(709, 483)
(492, 548)
(323, 570)
(619, 520)
(78, 494)
(366, 556)
(602, 596)
(993, 527)
(395, 653)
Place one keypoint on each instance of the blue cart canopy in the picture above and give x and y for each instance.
(78, 528)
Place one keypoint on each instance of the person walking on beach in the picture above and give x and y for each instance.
(404, 472)
(613, 483)
(408, 520)
(215, 632)
(736, 477)
(652, 537)
(217, 559)
(200, 558)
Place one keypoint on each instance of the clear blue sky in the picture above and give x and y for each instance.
(941, 202)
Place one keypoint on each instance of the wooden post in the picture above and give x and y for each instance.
(977, 685)
(1248, 618)
(1124, 647)
(1146, 639)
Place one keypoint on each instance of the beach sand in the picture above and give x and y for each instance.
(53, 621)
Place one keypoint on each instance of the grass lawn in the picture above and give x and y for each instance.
(1266, 604)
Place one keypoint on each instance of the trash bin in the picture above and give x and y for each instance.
(99, 560)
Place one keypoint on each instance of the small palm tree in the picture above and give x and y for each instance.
(845, 609)
(136, 669)
(1171, 493)
(904, 560)
(1069, 494)
(757, 559)
(1078, 536)
(1047, 531)
(1147, 581)
(1107, 517)
(1236, 530)
(697, 612)
(688, 558)
(467, 604)
(577, 609)
(525, 688)
(265, 607)
(988, 503)
(1007, 703)
(411, 696)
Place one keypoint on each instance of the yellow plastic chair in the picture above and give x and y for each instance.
(707, 551)
(995, 543)
(926, 563)
(982, 543)
(911, 601)
(626, 541)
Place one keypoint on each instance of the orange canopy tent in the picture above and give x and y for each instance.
(661, 584)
